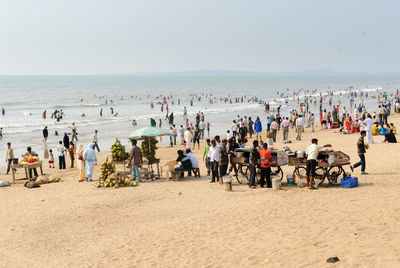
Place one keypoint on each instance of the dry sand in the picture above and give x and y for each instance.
(193, 223)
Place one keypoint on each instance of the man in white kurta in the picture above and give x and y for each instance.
(368, 123)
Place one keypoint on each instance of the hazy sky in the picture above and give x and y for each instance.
(126, 36)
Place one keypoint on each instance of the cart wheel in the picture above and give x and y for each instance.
(300, 175)
(334, 173)
(240, 175)
(244, 174)
(320, 174)
(277, 171)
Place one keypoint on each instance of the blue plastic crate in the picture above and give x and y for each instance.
(349, 182)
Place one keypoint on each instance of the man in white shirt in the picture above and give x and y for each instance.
(368, 128)
(213, 154)
(228, 135)
(234, 128)
(202, 126)
(299, 127)
(193, 159)
(61, 155)
(188, 138)
(312, 152)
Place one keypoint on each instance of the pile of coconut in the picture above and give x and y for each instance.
(43, 179)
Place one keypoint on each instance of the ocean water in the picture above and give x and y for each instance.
(26, 97)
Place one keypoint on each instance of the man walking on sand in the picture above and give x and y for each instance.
(95, 141)
(9, 156)
(361, 149)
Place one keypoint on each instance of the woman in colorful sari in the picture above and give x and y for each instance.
(89, 155)
(81, 163)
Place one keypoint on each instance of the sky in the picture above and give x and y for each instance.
(53, 37)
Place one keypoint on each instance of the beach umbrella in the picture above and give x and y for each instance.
(147, 132)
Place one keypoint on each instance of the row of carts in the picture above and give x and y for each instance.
(330, 165)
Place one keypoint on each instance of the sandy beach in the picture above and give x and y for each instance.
(193, 223)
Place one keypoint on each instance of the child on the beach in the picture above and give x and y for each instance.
(51, 160)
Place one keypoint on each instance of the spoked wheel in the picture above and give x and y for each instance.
(300, 175)
(334, 173)
(277, 172)
(320, 174)
(243, 174)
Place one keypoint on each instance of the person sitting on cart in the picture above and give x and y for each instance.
(186, 164)
(265, 166)
(254, 162)
(312, 152)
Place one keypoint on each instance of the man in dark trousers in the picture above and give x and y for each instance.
(265, 166)
(45, 134)
(361, 149)
(254, 161)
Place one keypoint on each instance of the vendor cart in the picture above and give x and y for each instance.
(330, 166)
(241, 164)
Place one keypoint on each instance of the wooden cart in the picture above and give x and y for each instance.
(26, 167)
(330, 166)
(241, 164)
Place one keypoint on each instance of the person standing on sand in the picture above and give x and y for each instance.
(45, 134)
(80, 163)
(182, 133)
(285, 128)
(368, 128)
(265, 165)
(213, 154)
(299, 127)
(250, 126)
(274, 127)
(61, 155)
(258, 128)
(188, 138)
(9, 156)
(223, 160)
(312, 152)
(89, 155)
(175, 133)
(361, 149)
(95, 141)
(66, 141)
(208, 130)
(234, 128)
(254, 161)
(202, 126)
(74, 133)
(312, 121)
(71, 151)
(26, 156)
(205, 156)
(135, 161)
